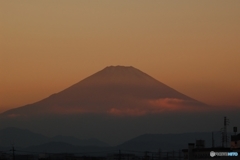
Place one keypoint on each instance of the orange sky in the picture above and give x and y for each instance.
(192, 46)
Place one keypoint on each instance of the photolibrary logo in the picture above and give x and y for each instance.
(213, 154)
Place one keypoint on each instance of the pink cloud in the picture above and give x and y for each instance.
(173, 104)
(156, 106)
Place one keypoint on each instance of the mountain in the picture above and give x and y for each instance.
(61, 147)
(53, 147)
(20, 137)
(76, 141)
(116, 104)
(169, 142)
(33, 142)
(115, 90)
(25, 138)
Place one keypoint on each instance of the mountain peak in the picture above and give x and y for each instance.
(118, 67)
(125, 74)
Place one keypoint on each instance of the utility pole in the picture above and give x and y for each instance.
(225, 137)
(213, 140)
(159, 154)
(119, 155)
(179, 155)
(13, 152)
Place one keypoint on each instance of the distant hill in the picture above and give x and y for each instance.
(168, 142)
(140, 144)
(61, 147)
(20, 137)
(34, 142)
(24, 138)
(76, 141)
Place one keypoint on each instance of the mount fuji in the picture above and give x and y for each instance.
(115, 90)
(113, 105)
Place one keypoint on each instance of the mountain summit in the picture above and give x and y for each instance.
(115, 90)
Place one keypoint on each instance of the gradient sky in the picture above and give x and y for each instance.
(192, 46)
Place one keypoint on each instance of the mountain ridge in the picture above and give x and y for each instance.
(145, 142)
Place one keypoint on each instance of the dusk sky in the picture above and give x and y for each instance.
(191, 46)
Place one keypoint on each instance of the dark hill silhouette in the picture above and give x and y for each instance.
(169, 142)
(61, 147)
(20, 137)
(54, 147)
(25, 138)
(75, 141)
(113, 90)
(62, 144)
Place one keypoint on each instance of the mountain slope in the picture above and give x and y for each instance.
(114, 90)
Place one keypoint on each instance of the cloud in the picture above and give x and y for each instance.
(156, 106)
(131, 107)
(173, 104)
